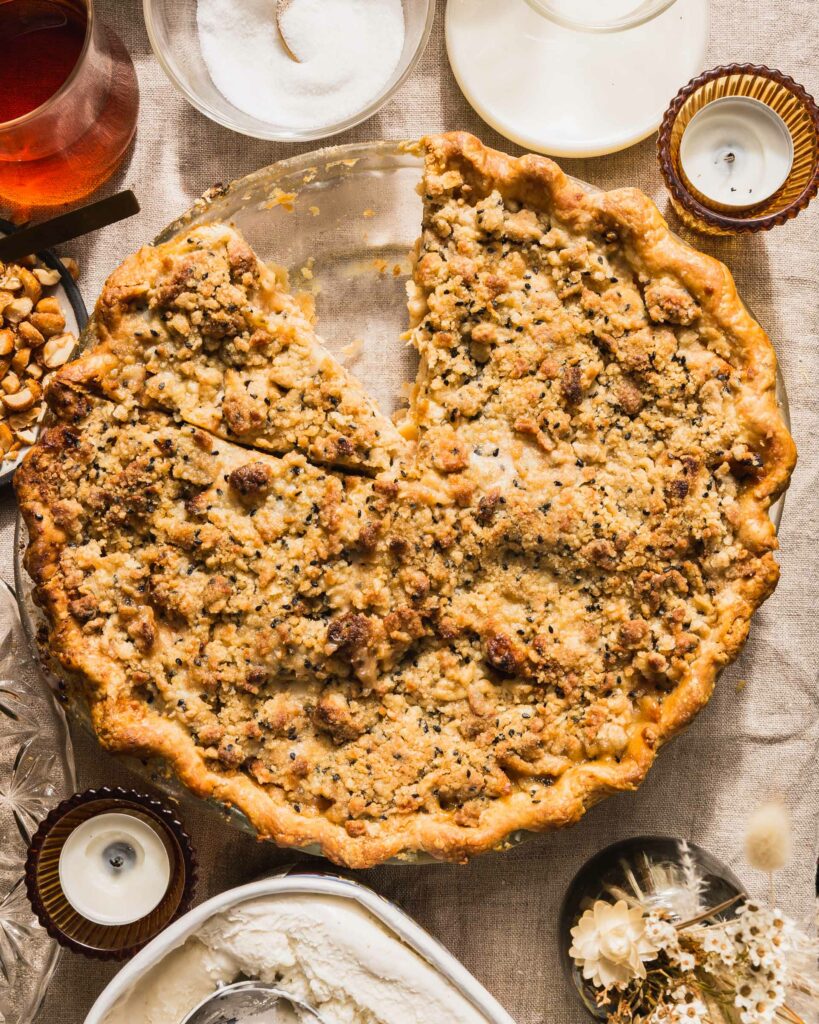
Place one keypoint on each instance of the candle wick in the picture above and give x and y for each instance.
(116, 862)
(729, 158)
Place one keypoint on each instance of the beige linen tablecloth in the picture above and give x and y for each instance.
(498, 914)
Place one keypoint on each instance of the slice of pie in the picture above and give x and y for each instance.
(484, 628)
(201, 328)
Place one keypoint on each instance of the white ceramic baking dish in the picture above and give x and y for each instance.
(328, 885)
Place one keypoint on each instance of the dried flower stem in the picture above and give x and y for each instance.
(786, 1013)
(712, 911)
(691, 875)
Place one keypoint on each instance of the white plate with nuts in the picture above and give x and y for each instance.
(41, 316)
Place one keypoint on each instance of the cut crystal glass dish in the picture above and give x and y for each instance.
(36, 772)
(342, 222)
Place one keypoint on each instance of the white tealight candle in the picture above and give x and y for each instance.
(736, 151)
(114, 869)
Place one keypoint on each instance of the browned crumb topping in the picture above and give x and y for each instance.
(594, 407)
(511, 596)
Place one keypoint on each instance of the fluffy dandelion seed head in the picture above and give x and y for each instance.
(768, 837)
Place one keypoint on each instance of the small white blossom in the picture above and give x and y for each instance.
(756, 1005)
(665, 936)
(661, 931)
(760, 994)
(685, 1007)
(695, 1012)
(754, 924)
(686, 961)
(714, 941)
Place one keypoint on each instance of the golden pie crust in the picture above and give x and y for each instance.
(379, 641)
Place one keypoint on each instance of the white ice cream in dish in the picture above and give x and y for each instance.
(324, 950)
(346, 50)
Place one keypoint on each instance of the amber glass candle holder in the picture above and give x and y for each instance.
(69, 927)
(801, 117)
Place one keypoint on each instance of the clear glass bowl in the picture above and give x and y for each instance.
(341, 220)
(171, 26)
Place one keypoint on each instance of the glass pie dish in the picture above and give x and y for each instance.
(342, 222)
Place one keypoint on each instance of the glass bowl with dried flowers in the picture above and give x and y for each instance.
(655, 944)
(637, 876)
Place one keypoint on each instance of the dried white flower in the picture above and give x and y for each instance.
(754, 924)
(763, 938)
(714, 941)
(768, 837)
(686, 962)
(610, 944)
(761, 961)
(662, 933)
(758, 1001)
(682, 1006)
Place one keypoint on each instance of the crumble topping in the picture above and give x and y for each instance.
(512, 593)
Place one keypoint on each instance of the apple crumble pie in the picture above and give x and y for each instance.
(379, 639)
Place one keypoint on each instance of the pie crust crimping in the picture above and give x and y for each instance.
(379, 640)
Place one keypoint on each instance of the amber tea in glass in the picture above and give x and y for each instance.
(68, 102)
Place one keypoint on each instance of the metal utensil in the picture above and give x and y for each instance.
(68, 226)
(252, 1002)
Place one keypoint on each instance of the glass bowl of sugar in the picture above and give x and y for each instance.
(289, 70)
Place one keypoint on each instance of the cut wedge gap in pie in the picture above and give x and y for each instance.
(531, 588)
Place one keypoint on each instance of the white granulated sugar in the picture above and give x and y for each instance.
(348, 50)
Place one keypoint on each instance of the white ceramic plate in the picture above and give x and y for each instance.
(572, 93)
